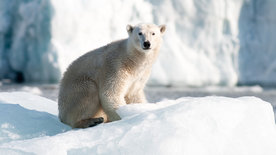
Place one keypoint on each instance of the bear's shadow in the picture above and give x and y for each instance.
(19, 123)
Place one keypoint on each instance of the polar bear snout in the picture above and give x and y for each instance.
(146, 45)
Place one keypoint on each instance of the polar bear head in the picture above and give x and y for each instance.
(145, 37)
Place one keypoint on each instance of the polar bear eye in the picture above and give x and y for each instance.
(140, 33)
(153, 33)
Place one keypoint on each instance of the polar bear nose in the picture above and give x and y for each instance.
(146, 44)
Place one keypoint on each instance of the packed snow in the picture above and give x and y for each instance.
(207, 42)
(25, 116)
(205, 125)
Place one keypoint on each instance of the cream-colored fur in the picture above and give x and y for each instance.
(97, 83)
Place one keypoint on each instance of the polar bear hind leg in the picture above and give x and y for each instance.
(82, 108)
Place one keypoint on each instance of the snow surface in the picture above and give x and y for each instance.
(25, 116)
(206, 125)
(207, 42)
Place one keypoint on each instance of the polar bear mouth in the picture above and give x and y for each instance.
(146, 48)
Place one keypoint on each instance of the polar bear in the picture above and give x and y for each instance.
(100, 81)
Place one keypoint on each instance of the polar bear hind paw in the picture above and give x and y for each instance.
(90, 122)
(96, 121)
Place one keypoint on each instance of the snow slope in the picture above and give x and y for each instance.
(25, 116)
(192, 126)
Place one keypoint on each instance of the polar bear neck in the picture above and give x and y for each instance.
(136, 59)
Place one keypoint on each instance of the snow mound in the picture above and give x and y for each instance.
(25, 116)
(192, 126)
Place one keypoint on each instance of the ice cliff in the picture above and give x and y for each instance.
(257, 54)
(26, 53)
(207, 42)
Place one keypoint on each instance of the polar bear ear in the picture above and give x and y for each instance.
(129, 29)
(162, 28)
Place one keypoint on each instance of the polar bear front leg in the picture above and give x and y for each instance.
(112, 96)
(136, 97)
(140, 97)
(110, 104)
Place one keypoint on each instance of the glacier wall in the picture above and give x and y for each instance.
(208, 42)
(257, 54)
(200, 45)
(26, 53)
